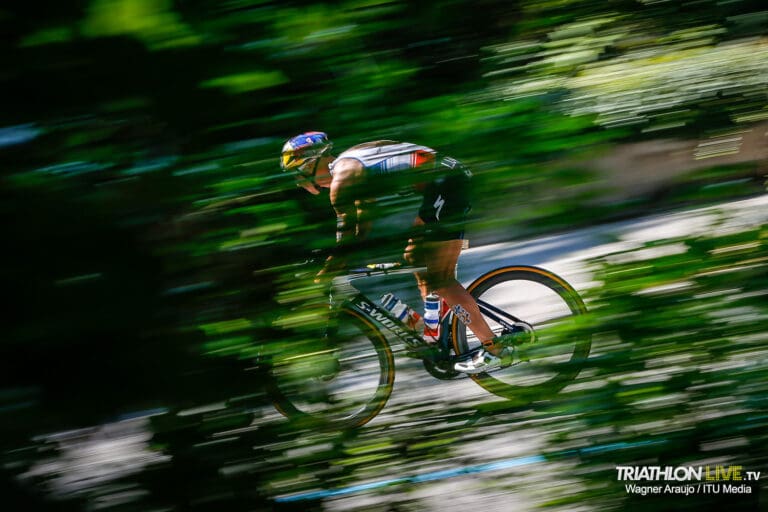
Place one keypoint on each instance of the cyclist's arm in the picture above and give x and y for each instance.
(365, 217)
(351, 213)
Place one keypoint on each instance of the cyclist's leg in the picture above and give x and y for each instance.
(439, 251)
(441, 258)
(441, 220)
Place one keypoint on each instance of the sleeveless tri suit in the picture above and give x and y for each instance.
(443, 182)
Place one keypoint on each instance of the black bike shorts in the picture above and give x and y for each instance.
(446, 202)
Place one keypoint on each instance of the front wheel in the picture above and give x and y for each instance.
(542, 316)
(342, 385)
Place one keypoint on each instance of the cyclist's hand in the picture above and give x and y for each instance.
(334, 266)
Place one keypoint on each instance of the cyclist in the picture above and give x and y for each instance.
(358, 175)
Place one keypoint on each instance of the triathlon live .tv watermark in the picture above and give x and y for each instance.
(687, 480)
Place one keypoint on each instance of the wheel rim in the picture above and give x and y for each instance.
(346, 384)
(547, 304)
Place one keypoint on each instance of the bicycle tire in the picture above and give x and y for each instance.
(352, 328)
(519, 288)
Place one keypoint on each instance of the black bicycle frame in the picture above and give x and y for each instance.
(381, 316)
(412, 339)
(362, 304)
(496, 314)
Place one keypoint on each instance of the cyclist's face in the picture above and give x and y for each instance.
(313, 175)
(305, 175)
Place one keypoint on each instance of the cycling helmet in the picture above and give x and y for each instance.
(303, 150)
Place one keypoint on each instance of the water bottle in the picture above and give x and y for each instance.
(400, 310)
(432, 318)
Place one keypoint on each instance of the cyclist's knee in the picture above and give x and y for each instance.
(438, 282)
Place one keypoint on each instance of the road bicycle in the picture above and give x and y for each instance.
(348, 379)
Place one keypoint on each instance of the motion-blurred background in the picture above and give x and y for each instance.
(150, 242)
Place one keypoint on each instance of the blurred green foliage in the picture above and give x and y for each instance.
(151, 242)
(680, 364)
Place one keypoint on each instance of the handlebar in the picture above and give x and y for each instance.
(376, 267)
(372, 269)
